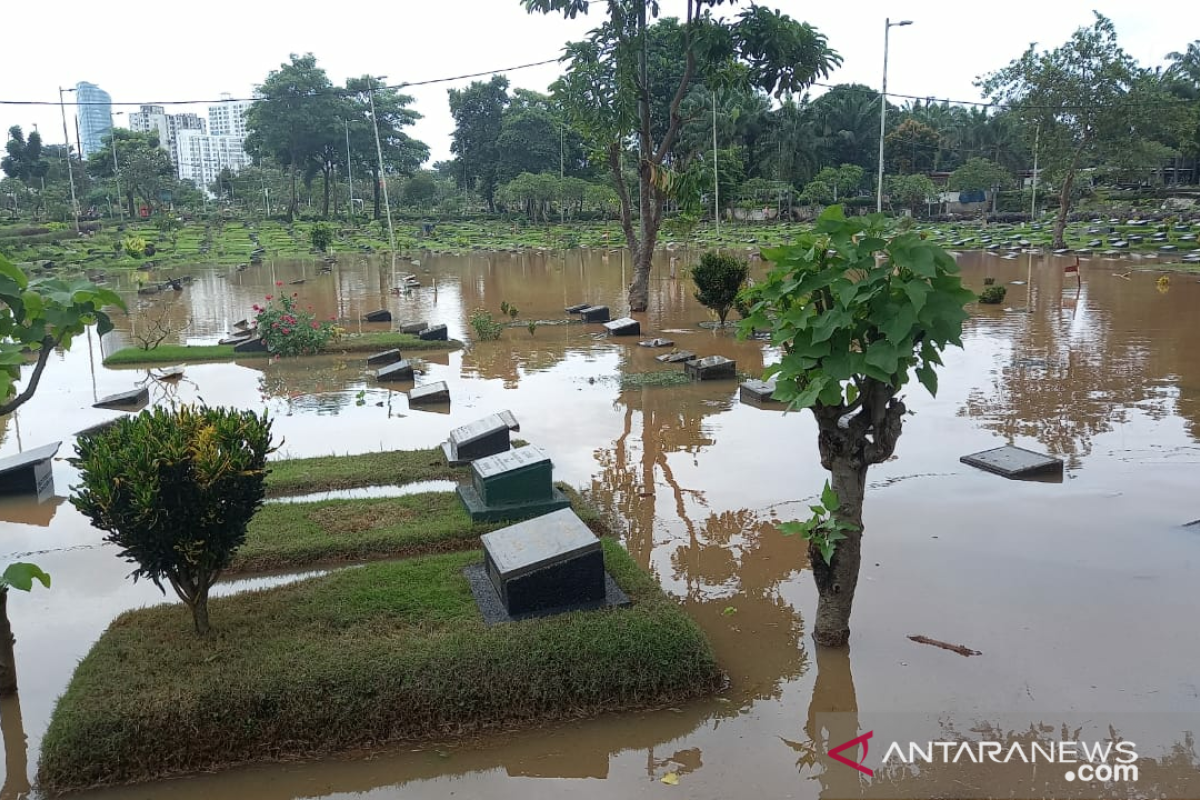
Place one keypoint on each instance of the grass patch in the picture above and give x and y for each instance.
(660, 377)
(295, 476)
(360, 658)
(356, 343)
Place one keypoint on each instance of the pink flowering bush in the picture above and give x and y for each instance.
(288, 331)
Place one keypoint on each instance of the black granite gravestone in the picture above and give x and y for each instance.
(435, 333)
(132, 400)
(594, 314)
(430, 393)
(386, 357)
(625, 326)
(575, 309)
(515, 485)
(676, 357)
(483, 437)
(237, 338)
(711, 368)
(544, 565)
(1015, 462)
(656, 343)
(253, 345)
(400, 371)
(382, 315)
(30, 472)
(413, 327)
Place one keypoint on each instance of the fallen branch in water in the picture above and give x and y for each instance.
(957, 648)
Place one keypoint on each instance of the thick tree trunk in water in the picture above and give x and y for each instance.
(1064, 207)
(837, 580)
(8, 664)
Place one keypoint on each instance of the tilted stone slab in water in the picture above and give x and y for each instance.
(126, 401)
(656, 343)
(676, 357)
(551, 562)
(594, 314)
(400, 371)
(254, 345)
(413, 327)
(30, 472)
(382, 315)
(711, 368)
(510, 420)
(386, 357)
(1014, 462)
(625, 326)
(575, 309)
(237, 338)
(437, 333)
(430, 393)
(760, 393)
(483, 437)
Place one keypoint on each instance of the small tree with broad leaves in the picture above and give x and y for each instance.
(855, 314)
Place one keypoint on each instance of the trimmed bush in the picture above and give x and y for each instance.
(718, 280)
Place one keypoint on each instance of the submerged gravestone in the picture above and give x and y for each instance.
(594, 314)
(436, 333)
(30, 472)
(656, 343)
(478, 439)
(510, 420)
(413, 327)
(386, 357)
(575, 309)
(543, 566)
(400, 371)
(760, 393)
(711, 368)
(518, 484)
(126, 401)
(676, 357)
(429, 393)
(236, 338)
(254, 345)
(1015, 462)
(382, 315)
(625, 326)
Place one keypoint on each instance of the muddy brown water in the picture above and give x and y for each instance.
(1081, 594)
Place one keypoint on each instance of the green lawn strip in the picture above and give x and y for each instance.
(357, 343)
(295, 476)
(298, 535)
(359, 658)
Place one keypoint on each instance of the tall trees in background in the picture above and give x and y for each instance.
(478, 110)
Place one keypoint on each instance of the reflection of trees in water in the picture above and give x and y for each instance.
(516, 353)
(16, 750)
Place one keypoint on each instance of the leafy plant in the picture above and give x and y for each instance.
(531, 326)
(288, 331)
(321, 236)
(175, 490)
(718, 280)
(822, 530)
(486, 328)
(993, 295)
(135, 246)
(19, 576)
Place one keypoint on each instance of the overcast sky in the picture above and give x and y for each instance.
(182, 51)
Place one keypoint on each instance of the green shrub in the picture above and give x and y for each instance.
(993, 295)
(718, 280)
(175, 490)
(135, 246)
(321, 236)
(486, 328)
(289, 331)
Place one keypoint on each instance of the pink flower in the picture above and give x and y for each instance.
(275, 325)
(295, 294)
(279, 283)
(269, 297)
(286, 331)
(316, 326)
(256, 307)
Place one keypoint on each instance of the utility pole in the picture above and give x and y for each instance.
(349, 170)
(1037, 135)
(67, 142)
(887, 27)
(387, 208)
(716, 176)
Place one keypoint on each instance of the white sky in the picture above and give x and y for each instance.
(179, 51)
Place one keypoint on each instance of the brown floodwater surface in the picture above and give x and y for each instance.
(1081, 594)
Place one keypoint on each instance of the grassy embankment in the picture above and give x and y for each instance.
(355, 343)
(361, 657)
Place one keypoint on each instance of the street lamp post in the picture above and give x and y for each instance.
(67, 140)
(387, 208)
(887, 27)
(349, 168)
(112, 138)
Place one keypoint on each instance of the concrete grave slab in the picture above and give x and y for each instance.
(1015, 462)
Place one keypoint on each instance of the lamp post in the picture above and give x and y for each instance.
(387, 208)
(67, 140)
(349, 169)
(112, 138)
(887, 27)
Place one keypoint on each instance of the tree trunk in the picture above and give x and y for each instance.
(325, 206)
(837, 580)
(8, 664)
(199, 607)
(1064, 207)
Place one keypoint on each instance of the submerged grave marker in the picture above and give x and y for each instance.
(400, 371)
(382, 315)
(575, 309)
(436, 333)
(1014, 462)
(386, 357)
(429, 393)
(510, 420)
(478, 439)
(254, 345)
(413, 327)
(543, 566)
(132, 400)
(656, 343)
(30, 472)
(676, 357)
(594, 314)
(711, 368)
(625, 326)
(514, 485)
(760, 393)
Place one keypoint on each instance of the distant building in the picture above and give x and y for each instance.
(95, 116)
(228, 118)
(200, 157)
(154, 119)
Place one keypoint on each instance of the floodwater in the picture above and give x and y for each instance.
(1081, 594)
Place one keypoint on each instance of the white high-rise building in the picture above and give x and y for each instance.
(200, 156)
(228, 118)
(168, 126)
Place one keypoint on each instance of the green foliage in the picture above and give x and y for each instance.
(321, 236)
(993, 295)
(486, 328)
(843, 180)
(135, 246)
(913, 192)
(21, 575)
(175, 491)
(718, 280)
(823, 528)
(478, 111)
(289, 331)
(41, 315)
(979, 174)
(23, 159)
(531, 326)
(844, 319)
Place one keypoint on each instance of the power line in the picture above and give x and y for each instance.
(336, 92)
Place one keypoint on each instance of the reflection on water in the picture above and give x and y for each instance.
(1043, 578)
